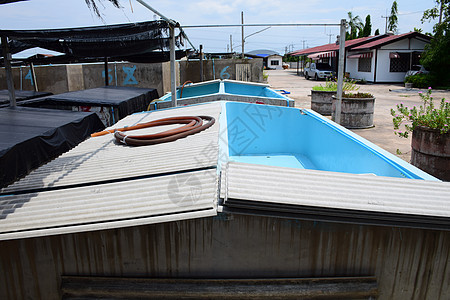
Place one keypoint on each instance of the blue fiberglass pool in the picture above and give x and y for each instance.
(228, 90)
(296, 138)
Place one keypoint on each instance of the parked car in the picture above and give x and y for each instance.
(319, 71)
(416, 69)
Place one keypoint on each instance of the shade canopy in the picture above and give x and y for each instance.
(114, 41)
(322, 55)
(361, 55)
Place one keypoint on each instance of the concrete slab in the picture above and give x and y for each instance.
(387, 97)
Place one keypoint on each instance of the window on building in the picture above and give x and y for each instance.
(364, 64)
(399, 62)
(416, 58)
(274, 63)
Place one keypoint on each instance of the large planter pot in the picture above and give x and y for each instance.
(321, 101)
(431, 152)
(408, 85)
(355, 112)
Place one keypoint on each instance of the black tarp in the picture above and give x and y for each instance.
(122, 40)
(125, 99)
(33, 136)
(21, 95)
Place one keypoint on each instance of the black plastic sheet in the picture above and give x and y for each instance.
(126, 99)
(31, 137)
(21, 95)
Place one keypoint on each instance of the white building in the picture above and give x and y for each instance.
(386, 59)
(275, 61)
(271, 59)
(381, 58)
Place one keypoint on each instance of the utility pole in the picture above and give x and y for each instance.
(385, 28)
(231, 43)
(343, 29)
(242, 31)
(329, 37)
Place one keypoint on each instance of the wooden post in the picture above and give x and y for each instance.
(340, 83)
(106, 72)
(201, 62)
(242, 32)
(173, 87)
(8, 70)
(33, 76)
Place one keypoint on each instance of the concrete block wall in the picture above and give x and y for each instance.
(219, 69)
(65, 78)
(53, 78)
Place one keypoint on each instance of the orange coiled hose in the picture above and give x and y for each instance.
(193, 124)
(181, 90)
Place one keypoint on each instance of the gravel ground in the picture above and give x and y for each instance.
(387, 96)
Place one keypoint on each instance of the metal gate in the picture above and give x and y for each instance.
(243, 72)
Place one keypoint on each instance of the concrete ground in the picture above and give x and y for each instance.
(387, 97)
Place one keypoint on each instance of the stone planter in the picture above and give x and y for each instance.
(431, 152)
(321, 101)
(408, 85)
(355, 112)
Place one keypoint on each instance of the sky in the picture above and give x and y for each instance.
(41, 14)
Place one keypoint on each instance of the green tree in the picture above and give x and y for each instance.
(355, 25)
(377, 32)
(367, 29)
(437, 56)
(393, 19)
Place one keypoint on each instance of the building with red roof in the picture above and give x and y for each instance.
(381, 58)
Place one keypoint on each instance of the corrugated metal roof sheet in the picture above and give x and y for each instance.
(338, 195)
(101, 185)
(390, 39)
(112, 205)
(100, 159)
(329, 47)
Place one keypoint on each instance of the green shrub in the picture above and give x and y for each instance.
(357, 95)
(331, 86)
(425, 115)
(420, 80)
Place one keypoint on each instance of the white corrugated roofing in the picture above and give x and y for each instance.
(101, 184)
(252, 185)
(100, 159)
(111, 205)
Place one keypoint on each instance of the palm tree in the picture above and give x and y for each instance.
(92, 5)
(355, 24)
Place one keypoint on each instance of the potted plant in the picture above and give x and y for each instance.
(265, 77)
(430, 127)
(356, 110)
(408, 82)
(321, 96)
